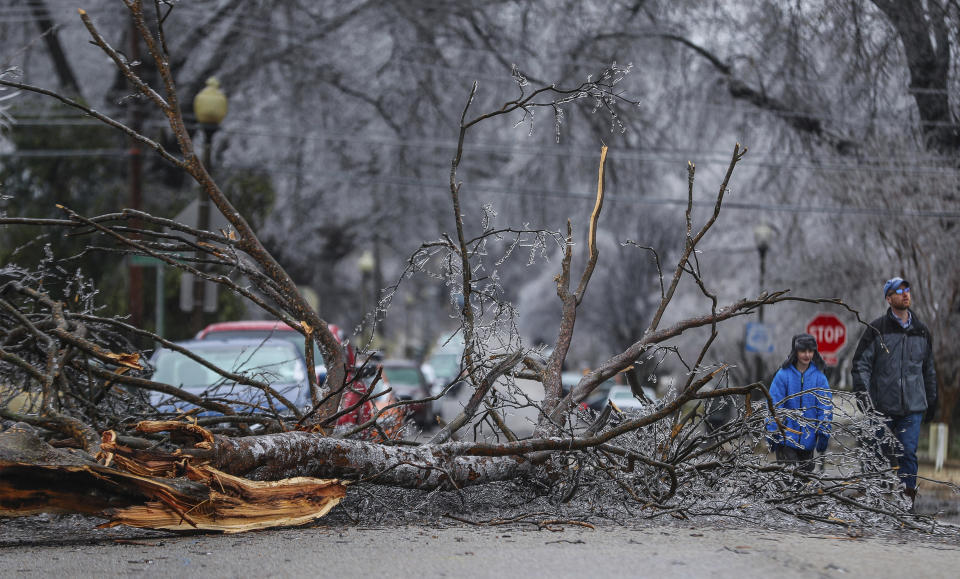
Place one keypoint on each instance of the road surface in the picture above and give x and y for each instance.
(459, 550)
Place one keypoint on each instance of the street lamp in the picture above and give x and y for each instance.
(762, 234)
(209, 108)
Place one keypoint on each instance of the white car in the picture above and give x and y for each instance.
(623, 398)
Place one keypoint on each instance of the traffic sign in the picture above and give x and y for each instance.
(831, 335)
(145, 261)
(758, 339)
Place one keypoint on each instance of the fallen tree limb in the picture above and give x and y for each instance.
(198, 497)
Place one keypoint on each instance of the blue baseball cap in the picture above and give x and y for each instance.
(892, 284)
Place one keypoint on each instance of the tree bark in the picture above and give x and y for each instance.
(293, 454)
(948, 391)
(926, 44)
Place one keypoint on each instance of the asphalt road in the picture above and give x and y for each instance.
(500, 552)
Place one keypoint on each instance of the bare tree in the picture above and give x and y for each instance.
(58, 345)
(836, 76)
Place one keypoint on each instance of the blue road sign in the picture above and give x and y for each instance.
(759, 338)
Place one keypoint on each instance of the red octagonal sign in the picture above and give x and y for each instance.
(831, 335)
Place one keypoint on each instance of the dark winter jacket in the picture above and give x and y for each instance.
(895, 366)
(808, 393)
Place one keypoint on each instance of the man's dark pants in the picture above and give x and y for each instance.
(907, 430)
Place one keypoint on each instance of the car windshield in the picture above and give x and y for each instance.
(446, 365)
(402, 375)
(271, 364)
(621, 394)
(287, 335)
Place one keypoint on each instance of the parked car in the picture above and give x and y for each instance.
(274, 361)
(444, 363)
(445, 359)
(357, 385)
(597, 399)
(624, 399)
(252, 329)
(408, 383)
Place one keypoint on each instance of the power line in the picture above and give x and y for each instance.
(679, 156)
(888, 121)
(672, 157)
(358, 178)
(56, 153)
(930, 164)
(56, 120)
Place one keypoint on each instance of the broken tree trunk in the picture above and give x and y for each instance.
(427, 467)
(227, 484)
(151, 489)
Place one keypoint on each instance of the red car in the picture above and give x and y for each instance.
(356, 388)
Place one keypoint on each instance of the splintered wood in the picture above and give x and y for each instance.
(155, 490)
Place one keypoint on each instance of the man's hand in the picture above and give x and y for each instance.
(930, 413)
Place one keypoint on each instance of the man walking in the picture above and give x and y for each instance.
(894, 366)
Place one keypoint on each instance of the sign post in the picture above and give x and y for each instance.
(831, 336)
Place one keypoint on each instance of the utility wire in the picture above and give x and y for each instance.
(41, 120)
(356, 178)
(57, 153)
(825, 164)
(422, 184)
(822, 162)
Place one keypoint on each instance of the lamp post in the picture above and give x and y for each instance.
(209, 108)
(762, 235)
(365, 264)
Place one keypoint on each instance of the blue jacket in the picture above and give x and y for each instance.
(810, 392)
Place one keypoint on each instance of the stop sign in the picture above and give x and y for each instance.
(829, 331)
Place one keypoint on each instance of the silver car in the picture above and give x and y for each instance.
(274, 361)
